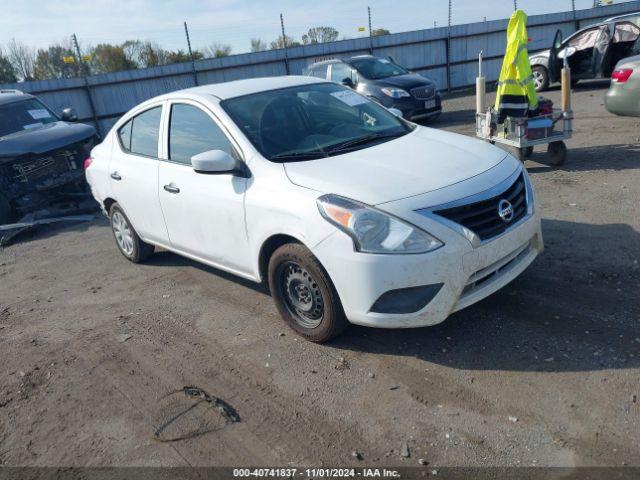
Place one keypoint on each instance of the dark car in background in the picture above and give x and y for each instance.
(384, 81)
(41, 156)
(592, 52)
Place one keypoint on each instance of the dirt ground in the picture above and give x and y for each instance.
(545, 372)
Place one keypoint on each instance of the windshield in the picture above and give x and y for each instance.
(377, 68)
(312, 121)
(24, 115)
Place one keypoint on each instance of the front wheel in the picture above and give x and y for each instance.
(304, 294)
(128, 241)
(540, 78)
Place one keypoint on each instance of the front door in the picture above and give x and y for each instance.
(134, 174)
(204, 213)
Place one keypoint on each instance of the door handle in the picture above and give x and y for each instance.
(171, 188)
(116, 176)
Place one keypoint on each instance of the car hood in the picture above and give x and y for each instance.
(542, 53)
(40, 140)
(408, 81)
(419, 162)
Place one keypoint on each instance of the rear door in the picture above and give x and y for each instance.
(133, 173)
(204, 213)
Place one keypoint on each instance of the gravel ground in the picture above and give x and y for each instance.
(545, 372)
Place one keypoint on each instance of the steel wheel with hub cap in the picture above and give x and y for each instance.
(127, 239)
(540, 78)
(304, 294)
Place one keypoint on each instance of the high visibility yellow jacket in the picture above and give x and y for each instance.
(516, 89)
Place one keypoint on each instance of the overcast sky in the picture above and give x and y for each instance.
(234, 22)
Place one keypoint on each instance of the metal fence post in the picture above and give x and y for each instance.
(85, 72)
(448, 50)
(284, 42)
(575, 18)
(370, 32)
(193, 63)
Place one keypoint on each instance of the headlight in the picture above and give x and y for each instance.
(395, 92)
(373, 231)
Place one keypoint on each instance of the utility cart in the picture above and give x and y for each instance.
(521, 134)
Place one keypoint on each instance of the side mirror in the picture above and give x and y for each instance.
(567, 52)
(347, 82)
(214, 162)
(69, 115)
(396, 112)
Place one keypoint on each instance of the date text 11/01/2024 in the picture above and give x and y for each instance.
(315, 473)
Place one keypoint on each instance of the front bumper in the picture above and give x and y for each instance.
(467, 273)
(415, 109)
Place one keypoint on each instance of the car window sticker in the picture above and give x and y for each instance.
(39, 113)
(350, 98)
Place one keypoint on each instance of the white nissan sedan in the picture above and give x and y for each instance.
(351, 214)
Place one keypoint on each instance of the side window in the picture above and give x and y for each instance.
(124, 134)
(320, 71)
(340, 71)
(192, 131)
(585, 40)
(144, 132)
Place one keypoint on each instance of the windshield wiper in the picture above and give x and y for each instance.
(362, 141)
(299, 155)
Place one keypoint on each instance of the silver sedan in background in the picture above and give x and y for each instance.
(623, 97)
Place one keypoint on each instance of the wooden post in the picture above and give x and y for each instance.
(565, 77)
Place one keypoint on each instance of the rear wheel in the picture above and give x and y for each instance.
(540, 78)
(557, 152)
(304, 294)
(128, 241)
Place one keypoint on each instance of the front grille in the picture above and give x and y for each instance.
(38, 168)
(482, 217)
(423, 93)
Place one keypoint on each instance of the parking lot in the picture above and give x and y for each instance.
(546, 372)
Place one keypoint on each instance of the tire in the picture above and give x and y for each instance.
(6, 215)
(540, 78)
(127, 240)
(557, 152)
(519, 153)
(304, 294)
(528, 151)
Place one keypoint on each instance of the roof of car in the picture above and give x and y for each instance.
(335, 60)
(622, 17)
(9, 96)
(238, 88)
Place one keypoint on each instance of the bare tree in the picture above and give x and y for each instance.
(320, 35)
(216, 50)
(258, 45)
(281, 42)
(22, 57)
(7, 73)
(380, 31)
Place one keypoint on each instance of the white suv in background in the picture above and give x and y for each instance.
(350, 213)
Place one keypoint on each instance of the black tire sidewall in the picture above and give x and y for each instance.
(333, 321)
